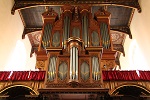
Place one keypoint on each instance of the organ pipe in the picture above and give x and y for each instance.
(52, 68)
(73, 60)
(76, 64)
(105, 35)
(46, 35)
(66, 29)
(73, 63)
(85, 30)
(95, 68)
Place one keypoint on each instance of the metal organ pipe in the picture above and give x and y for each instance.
(95, 68)
(73, 60)
(46, 35)
(105, 35)
(85, 30)
(71, 63)
(66, 29)
(52, 68)
(74, 63)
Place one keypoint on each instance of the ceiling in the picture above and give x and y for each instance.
(121, 16)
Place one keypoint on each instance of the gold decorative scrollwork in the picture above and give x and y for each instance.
(40, 64)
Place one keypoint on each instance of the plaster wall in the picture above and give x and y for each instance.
(11, 29)
(140, 29)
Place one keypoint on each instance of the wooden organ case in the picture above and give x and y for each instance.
(75, 46)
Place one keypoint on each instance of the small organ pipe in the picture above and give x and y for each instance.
(49, 33)
(76, 64)
(46, 35)
(106, 32)
(68, 28)
(102, 33)
(50, 70)
(46, 29)
(53, 61)
(93, 67)
(104, 36)
(71, 63)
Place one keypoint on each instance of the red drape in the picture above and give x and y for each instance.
(19, 76)
(107, 75)
(144, 75)
(120, 75)
(4, 75)
(27, 75)
(34, 75)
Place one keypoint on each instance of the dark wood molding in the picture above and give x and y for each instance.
(33, 50)
(23, 21)
(73, 90)
(26, 4)
(118, 60)
(29, 30)
(124, 29)
(119, 48)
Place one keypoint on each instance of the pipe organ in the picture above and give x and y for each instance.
(75, 46)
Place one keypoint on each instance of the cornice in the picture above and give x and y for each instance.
(27, 4)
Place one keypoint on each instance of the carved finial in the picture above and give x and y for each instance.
(49, 11)
(76, 15)
(105, 8)
(46, 8)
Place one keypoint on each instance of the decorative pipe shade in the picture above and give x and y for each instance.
(62, 70)
(85, 71)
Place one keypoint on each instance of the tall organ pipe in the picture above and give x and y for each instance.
(85, 29)
(66, 29)
(105, 36)
(73, 63)
(76, 64)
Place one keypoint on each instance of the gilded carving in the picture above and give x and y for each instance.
(107, 64)
(40, 64)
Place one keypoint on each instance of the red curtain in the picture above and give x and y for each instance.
(144, 75)
(120, 75)
(4, 75)
(27, 75)
(107, 75)
(37, 75)
(19, 76)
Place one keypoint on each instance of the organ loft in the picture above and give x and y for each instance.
(75, 47)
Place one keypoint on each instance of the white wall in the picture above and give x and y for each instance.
(140, 28)
(11, 29)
